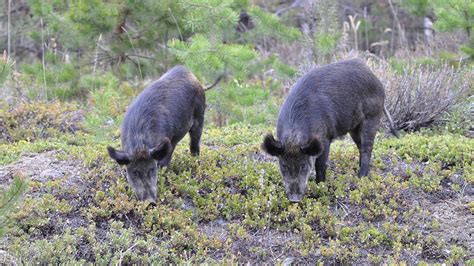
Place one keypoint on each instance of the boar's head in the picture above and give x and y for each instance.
(142, 167)
(295, 163)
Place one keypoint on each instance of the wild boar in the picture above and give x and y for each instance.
(155, 122)
(326, 103)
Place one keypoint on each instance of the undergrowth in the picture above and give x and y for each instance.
(228, 204)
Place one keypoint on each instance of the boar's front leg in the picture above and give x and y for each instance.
(195, 135)
(368, 131)
(321, 163)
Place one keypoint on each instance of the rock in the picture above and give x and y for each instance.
(43, 167)
(50, 174)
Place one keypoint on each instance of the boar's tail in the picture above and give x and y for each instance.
(215, 82)
(390, 121)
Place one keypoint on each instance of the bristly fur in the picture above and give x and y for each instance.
(119, 156)
(313, 148)
(141, 154)
(155, 122)
(272, 146)
(329, 102)
(169, 108)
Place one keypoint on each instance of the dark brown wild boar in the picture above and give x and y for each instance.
(327, 102)
(155, 122)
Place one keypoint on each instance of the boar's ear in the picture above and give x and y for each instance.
(272, 146)
(161, 150)
(313, 148)
(120, 156)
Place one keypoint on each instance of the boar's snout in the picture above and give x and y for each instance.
(295, 192)
(151, 200)
(295, 198)
(151, 205)
(142, 177)
(295, 172)
(147, 195)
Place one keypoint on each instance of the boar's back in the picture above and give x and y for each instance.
(165, 108)
(338, 96)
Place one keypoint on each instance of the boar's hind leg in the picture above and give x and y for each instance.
(320, 163)
(355, 135)
(367, 133)
(195, 135)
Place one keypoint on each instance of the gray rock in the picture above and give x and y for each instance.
(50, 174)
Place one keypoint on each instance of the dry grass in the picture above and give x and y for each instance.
(421, 96)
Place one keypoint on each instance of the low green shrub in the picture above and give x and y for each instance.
(228, 204)
(39, 120)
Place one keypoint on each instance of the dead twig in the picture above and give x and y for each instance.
(122, 254)
(421, 96)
